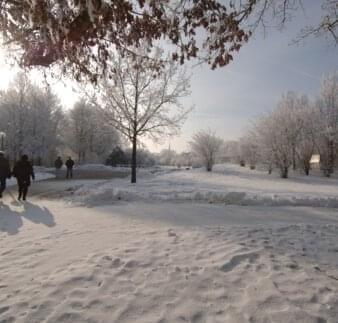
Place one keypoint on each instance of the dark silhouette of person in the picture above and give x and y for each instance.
(58, 163)
(23, 171)
(69, 165)
(5, 172)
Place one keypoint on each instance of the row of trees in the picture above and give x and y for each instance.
(138, 101)
(31, 118)
(288, 136)
(135, 102)
(34, 123)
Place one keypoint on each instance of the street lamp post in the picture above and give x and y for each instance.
(2, 136)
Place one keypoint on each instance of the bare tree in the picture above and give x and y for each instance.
(327, 26)
(278, 13)
(140, 103)
(206, 146)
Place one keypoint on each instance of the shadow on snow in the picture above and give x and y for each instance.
(11, 220)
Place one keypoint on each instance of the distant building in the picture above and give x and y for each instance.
(315, 161)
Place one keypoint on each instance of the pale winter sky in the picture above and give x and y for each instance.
(227, 99)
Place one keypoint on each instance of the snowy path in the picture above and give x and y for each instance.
(165, 262)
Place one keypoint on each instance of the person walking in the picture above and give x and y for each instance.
(23, 171)
(69, 165)
(58, 163)
(5, 172)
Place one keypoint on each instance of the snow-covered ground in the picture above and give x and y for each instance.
(146, 258)
(94, 171)
(40, 175)
(229, 184)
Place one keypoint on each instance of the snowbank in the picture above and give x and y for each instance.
(99, 167)
(229, 184)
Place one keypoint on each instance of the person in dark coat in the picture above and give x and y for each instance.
(23, 171)
(5, 172)
(58, 163)
(69, 165)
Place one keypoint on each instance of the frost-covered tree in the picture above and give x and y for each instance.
(140, 103)
(262, 130)
(296, 129)
(80, 129)
(249, 149)
(279, 132)
(183, 159)
(306, 142)
(30, 116)
(230, 151)
(289, 113)
(87, 133)
(327, 124)
(275, 141)
(206, 146)
(167, 157)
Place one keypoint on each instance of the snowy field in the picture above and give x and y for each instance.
(137, 255)
(228, 184)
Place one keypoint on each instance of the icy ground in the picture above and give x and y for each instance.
(160, 261)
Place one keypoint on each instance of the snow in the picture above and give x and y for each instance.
(229, 184)
(97, 167)
(146, 258)
(40, 175)
(141, 262)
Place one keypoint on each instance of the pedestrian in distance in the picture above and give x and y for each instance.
(69, 165)
(5, 172)
(58, 165)
(23, 171)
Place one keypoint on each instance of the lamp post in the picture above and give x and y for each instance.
(2, 136)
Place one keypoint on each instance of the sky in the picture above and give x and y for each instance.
(226, 100)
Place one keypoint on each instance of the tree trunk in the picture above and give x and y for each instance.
(270, 170)
(284, 172)
(294, 162)
(307, 167)
(331, 157)
(133, 161)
